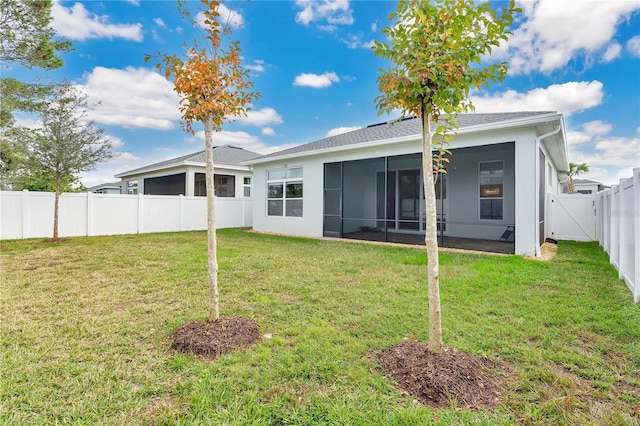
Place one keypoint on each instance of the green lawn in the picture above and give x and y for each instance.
(86, 323)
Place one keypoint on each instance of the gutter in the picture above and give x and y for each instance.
(537, 188)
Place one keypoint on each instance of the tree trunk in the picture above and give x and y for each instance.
(431, 236)
(571, 188)
(212, 256)
(56, 209)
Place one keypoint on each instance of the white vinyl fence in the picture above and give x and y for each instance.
(572, 217)
(618, 227)
(30, 214)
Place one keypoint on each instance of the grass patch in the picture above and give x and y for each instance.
(85, 328)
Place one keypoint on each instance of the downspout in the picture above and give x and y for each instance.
(537, 186)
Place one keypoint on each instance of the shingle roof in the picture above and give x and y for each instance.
(406, 127)
(223, 155)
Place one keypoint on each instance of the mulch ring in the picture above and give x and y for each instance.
(210, 339)
(440, 380)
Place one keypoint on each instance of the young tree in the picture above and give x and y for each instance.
(213, 89)
(65, 143)
(575, 170)
(436, 48)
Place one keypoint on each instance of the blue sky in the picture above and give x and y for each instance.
(312, 63)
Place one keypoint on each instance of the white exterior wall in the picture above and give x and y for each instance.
(311, 224)
(190, 171)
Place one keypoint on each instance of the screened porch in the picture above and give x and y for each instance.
(382, 199)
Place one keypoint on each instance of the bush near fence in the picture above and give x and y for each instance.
(30, 214)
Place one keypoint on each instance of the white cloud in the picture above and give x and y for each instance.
(244, 140)
(132, 97)
(333, 12)
(227, 17)
(612, 52)
(341, 130)
(77, 23)
(257, 66)
(159, 22)
(609, 157)
(356, 42)
(315, 80)
(597, 128)
(104, 172)
(260, 117)
(126, 156)
(633, 45)
(230, 16)
(268, 131)
(566, 98)
(590, 130)
(554, 32)
(115, 142)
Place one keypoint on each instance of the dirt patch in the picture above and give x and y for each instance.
(548, 250)
(438, 380)
(210, 339)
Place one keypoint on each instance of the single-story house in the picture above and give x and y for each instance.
(586, 186)
(367, 184)
(107, 188)
(186, 175)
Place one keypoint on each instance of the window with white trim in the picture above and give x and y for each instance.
(491, 185)
(247, 187)
(132, 187)
(284, 192)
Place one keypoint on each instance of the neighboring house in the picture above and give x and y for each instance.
(367, 184)
(186, 175)
(107, 188)
(586, 186)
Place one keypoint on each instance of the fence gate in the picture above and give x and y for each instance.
(572, 217)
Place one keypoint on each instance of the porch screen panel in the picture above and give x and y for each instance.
(225, 185)
(362, 200)
(405, 199)
(165, 185)
(332, 200)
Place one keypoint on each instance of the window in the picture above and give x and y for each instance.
(132, 187)
(491, 182)
(284, 192)
(247, 187)
(225, 185)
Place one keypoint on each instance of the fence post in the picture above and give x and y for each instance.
(615, 226)
(89, 213)
(25, 214)
(140, 206)
(243, 218)
(623, 210)
(180, 207)
(636, 224)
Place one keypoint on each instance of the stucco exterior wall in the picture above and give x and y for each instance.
(190, 172)
(516, 147)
